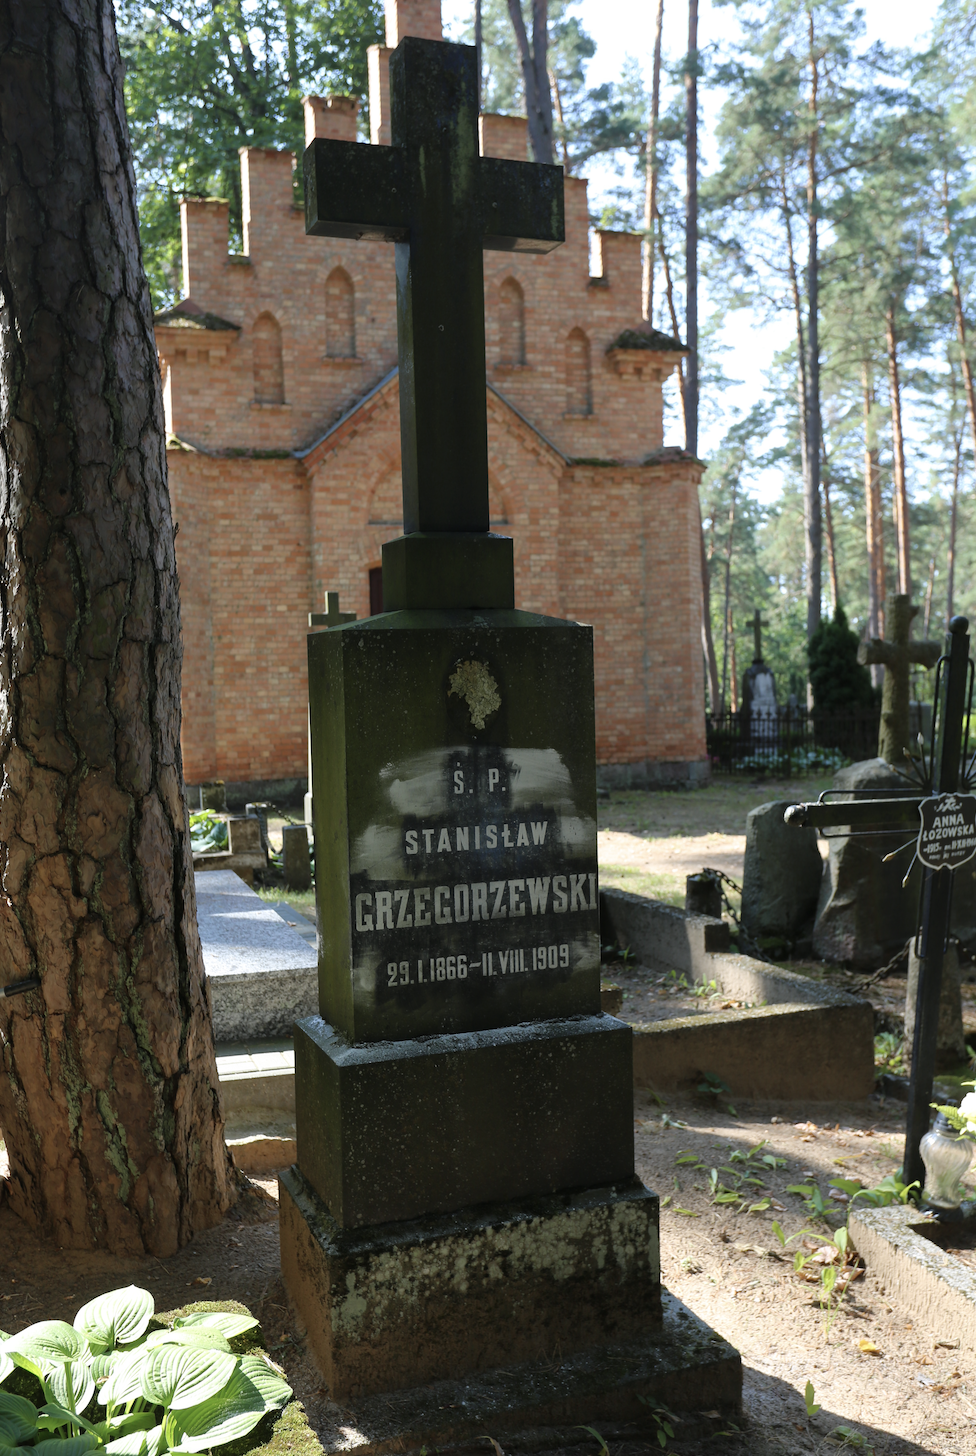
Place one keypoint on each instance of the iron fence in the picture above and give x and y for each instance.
(794, 741)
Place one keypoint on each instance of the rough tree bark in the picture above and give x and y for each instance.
(109, 1101)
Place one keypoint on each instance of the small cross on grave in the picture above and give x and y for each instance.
(757, 635)
(442, 204)
(331, 617)
(943, 817)
(897, 653)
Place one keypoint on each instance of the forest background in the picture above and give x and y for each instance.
(840, 192)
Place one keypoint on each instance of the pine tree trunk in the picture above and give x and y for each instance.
(898, 452)
(967, 373)
(650, 170)
(535, 76)
(691, 232)
(811, 495)
(109, 1102)
(873, 529)
(708, 641)
(831, 549)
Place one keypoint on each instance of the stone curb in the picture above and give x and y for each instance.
(804, 1039)
(933, 1286)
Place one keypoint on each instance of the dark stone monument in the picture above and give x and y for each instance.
(781, 876)
(758, 712)
(464, 1196)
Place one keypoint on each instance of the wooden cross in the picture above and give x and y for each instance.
(331, 617)
(897, 653)
(442, 204)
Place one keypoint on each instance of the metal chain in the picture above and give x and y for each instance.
(745, 940)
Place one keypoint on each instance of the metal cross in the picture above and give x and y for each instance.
(442, 204)
(953, 695)
(331, 617)
(757, 635)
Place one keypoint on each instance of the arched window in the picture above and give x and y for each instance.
(579, 395)
(269, 372)
(340, 315)
(511, 323)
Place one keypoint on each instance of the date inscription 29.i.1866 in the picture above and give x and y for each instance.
(480, 885)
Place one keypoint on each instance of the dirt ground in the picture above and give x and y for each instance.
(896, 1386)
(904, 1391)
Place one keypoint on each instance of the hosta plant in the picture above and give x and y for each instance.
(109, 1383)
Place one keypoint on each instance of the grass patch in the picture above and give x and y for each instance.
(719, 809)
(301, 900)
(669, 888)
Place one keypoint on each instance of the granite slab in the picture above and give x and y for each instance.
(263, 975)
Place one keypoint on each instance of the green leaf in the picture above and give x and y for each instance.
(52, 1417)
(69, 1384)
(137, 1443)
(132, 1444)
(759, 1207)
(253, 1389)
(67, 1445)
(178, 1377)
(101, 1366)
(17, 1415)
(804, 1190)
(50, 1340)
(808, 1399)
(6, 1365)
(275, 1390)
(124, 1383)
(777, 1228)
(118, 1318)
(688, 1212)
(230, 1325)
(201, 1339)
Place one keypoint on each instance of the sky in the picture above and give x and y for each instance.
(625, 28)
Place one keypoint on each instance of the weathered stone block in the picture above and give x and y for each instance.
(782, 874)
(864, 915)
(393, 1307)
(391, 1130)
(455, 822)
(295, 856)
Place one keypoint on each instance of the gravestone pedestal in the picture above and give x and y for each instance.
(465, 1193)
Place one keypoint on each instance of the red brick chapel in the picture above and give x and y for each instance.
(279, 370)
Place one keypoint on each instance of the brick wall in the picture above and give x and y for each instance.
(281, 497)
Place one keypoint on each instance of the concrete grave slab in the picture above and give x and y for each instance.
(938, 1289)
(263, 976)
(797, 1039)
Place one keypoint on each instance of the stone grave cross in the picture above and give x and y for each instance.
(897, 653)
(442, 204)
(331, 617)
(757, 635)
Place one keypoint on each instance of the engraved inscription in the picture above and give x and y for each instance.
(483, 872)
